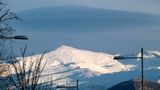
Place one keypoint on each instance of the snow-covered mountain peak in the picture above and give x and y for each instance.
(88, 60)
(67, 64)
(150, 54)
(65, 47)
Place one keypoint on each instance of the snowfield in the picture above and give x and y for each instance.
(94, 70)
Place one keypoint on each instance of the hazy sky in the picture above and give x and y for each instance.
(119, 40)
(148, 6)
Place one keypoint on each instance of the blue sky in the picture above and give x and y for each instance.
(148, 6)
(128, 38)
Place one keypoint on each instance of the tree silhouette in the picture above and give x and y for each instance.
(25, 73)
(6, 29)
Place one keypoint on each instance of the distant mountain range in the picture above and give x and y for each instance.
(94, 70)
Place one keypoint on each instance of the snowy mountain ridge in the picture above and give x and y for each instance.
(67, 64)
(96, 62)
(150, 54)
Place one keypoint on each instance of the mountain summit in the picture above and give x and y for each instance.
(87, 60)
(94, 70)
